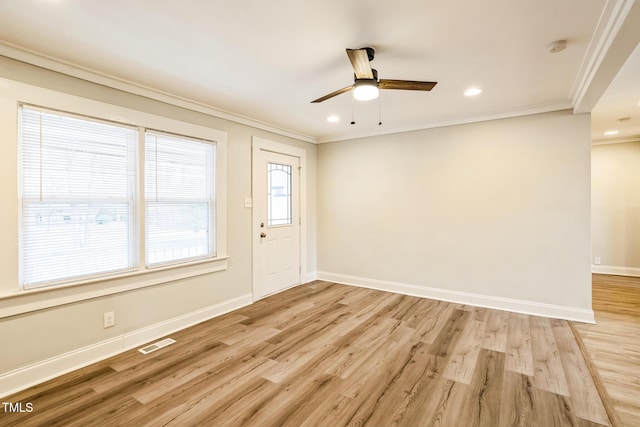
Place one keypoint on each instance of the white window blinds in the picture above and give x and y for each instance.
(180, 198)
(79, 197)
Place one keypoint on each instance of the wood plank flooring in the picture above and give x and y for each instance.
(613, 343)
(324, 354)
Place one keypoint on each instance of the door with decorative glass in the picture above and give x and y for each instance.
(277, 236)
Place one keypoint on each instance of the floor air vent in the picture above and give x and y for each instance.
(156, 346)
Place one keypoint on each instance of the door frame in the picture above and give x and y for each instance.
(259, 144)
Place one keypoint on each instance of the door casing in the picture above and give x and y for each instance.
(261, 144)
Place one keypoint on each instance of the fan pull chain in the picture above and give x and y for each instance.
(379, 111)
(353, 120)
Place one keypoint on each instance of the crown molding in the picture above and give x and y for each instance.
(616, 35)
(525, 111)
(74, 70)
(619, 140)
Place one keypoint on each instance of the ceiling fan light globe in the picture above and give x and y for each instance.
(365, 90)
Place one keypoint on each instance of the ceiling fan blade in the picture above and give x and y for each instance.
(360, 62)
(332, 94)
(405, 84)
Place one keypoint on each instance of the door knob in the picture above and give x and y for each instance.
(263, 235)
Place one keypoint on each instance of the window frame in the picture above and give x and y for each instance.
(132, 200)
(211, 201)
(142, 275)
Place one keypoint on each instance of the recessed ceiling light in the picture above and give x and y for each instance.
(611, 132)
(333, 119)
(472, 91)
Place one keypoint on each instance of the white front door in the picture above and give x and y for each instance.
(276, 204)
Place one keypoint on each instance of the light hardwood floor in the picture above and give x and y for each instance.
(613, 343)
(324, 354)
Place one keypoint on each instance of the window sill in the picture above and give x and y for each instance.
(25, 301)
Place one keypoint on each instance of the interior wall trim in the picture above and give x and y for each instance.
(64, 67)
(614, 39)
(487, 301)
(616, 271)
(19, 379)
(517, 112)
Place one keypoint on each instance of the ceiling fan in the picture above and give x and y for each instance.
(366, 83)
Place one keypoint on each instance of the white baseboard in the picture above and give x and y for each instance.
(499, 303)
(25, 377)
(618, 271)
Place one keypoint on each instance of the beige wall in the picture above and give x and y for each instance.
(497, 208)
(35, 336)
(615, 184)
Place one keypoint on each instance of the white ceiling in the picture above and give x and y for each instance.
(266, 60)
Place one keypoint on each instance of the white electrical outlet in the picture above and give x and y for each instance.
(109, 319)
(596, 260)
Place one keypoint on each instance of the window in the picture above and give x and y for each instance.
(81, 211)
(179, 198)
(78, 197)
(279, 194)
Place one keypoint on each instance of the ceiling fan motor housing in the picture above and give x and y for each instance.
(371, 53)
(375, 77)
